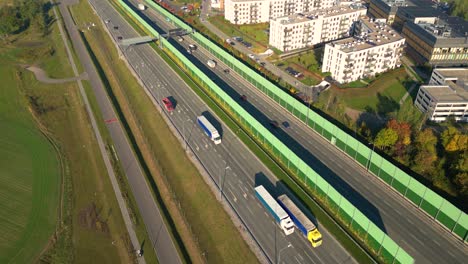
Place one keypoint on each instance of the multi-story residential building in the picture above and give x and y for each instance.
(445, 95)
(219, 4)
(374, 48)
(387, 9)
(247, 11)
(302, 30)
(260, 11)
(442, 43)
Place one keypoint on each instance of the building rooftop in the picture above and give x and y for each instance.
(408, 2)
(456, 88)
(421, 11)
(249, 1)
(373, 33)
(447, 27)
(327, 12)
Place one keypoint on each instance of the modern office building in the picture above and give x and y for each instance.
(260, 11)
(415, 14)
(445, 95)
(387, 9)
(307, 29)
(441, 42)
(374, 48)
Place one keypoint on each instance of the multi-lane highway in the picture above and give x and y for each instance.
(230, 162)
(419, 235)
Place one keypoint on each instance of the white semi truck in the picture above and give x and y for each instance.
(209, 129)
(281, 217)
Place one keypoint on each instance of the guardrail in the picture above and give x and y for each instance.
(381, 244)
(441, 210)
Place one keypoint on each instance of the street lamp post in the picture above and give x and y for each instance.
(279, 253)
(221, 181)
(308, 108)
(370, 156)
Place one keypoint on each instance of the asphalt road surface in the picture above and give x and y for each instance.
(424, 239)
(157, 231)
(230, 162)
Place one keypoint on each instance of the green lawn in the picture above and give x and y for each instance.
(29, 168)
(29, 176)
(255, 33)
(382, 95)
(307, 60)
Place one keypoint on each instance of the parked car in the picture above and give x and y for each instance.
(168, 104)
(226, 70)
(262, 64)
(192, 47)
(180, 39)
(119, 38)
(189, 51)
(251, 56)
(238, 39)
(247, 44)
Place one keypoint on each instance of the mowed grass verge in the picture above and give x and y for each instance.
(200, 220)
(29, 177)
(91, 229)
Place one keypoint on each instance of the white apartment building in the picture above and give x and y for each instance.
(445, 95)
(261, 11)
(302, 30)
(374, 48)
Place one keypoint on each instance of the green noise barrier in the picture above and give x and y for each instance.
(380, 243)
(455, 220)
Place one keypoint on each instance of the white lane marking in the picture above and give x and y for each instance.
(235, 198)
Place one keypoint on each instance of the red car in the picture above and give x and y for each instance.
(168, 104)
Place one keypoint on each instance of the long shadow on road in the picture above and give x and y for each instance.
(366, 207)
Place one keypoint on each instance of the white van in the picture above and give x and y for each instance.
(211, 63)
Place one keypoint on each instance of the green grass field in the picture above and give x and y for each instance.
(29, 176)
(91, 229)
(255, 33)
(380, 95)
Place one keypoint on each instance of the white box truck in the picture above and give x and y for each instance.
(209, 129)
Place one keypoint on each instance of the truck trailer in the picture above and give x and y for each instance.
(281, 217)
(301, 221)
(141, 7)
(209, 129)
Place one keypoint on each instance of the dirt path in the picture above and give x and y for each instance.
(42, 76)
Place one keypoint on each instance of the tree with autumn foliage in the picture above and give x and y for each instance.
(425, 152)
(386, 138)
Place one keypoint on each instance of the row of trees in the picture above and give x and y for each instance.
(18, 16)
(441, 156)
(458, 8)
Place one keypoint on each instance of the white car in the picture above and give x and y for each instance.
(251, 56)
(180, 39)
